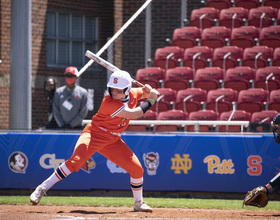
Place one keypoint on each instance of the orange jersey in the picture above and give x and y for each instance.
(106, 118)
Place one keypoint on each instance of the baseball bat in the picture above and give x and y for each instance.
(107, 65)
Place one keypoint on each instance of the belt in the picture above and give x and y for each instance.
(112, 133)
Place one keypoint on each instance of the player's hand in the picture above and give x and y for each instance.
(147, 88)
(154, 94)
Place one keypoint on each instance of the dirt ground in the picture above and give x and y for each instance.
(43, 212)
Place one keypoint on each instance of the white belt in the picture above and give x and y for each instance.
(113, 133)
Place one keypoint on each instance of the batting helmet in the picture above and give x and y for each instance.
(276, 129)
(120, 80)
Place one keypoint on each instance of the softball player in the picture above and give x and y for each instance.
(103, 135)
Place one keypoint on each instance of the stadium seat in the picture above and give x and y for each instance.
(274, 100)
(149, 115)
(215, 37)
(252, 100)
(165, 101)
(278, 18)
(154, 76)
(179, 78)
(272, 3)
(174, 53)
(171, 115)
(208, 78)
(257, 57)
(218, 4)
(240, 78)
(197, 57)
(221, 100)
(244, 36)
(203, 115)
(186, 37)
(234, 115)
(270, 36)
(233, 17)
(261, 121)
(204, 17)
(191, 99)
(247, 3)
(273, 82)
(224, 60)
(262, 17)
(276, 57)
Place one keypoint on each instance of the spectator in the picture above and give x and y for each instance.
(49, 88)
(70, 102)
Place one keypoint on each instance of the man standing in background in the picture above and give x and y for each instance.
(70, 102)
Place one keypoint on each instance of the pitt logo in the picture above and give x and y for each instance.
(48, 161)
(218, 167)
(181, 164)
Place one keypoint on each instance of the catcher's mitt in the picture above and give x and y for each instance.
(257, 197)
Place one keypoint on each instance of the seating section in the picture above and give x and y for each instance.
(225, 65)
(149, 115)
(171, 115)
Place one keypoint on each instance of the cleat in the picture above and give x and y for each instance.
(37, 195)
(141, 206)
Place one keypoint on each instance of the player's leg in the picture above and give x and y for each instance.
(81, 153)
(120, 154)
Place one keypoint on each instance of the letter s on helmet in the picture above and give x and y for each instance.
(120, 80)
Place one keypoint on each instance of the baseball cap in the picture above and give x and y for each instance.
(71, 70)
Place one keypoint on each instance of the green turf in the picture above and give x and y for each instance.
(125, 201)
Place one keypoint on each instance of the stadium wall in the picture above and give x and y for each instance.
(172, 162)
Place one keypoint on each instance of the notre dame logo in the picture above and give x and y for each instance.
(181, 163)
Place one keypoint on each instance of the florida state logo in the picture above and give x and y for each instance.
(18, 162)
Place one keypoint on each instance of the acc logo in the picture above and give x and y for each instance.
(48, 161)
(151, 161)
(181, 164)
(114, 168)
(18, 162)
(88, 165)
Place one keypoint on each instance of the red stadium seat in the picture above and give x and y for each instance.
(166, 100)
(218, 4)
(272, 3)
(262, 16)
(276, 57)
(237, 115)
(197, 57)
(186, 37)
(252, 100)
(171, 115)
(149, 115)
(233, 17)
(274, 100)
(270, 36)
(245, 36)
(208, 78)
(261, 121)
(224, 60)
(154, 76)
(257, 57)
(191, 99)
(221, 100)
(162, 54)
(204, 17)
(203, 115)
(240, 78)
(247, 3)
(215, 37)
(178, 78)
(272, 83)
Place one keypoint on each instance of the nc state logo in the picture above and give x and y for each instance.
(18, 162)
(151, 161)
